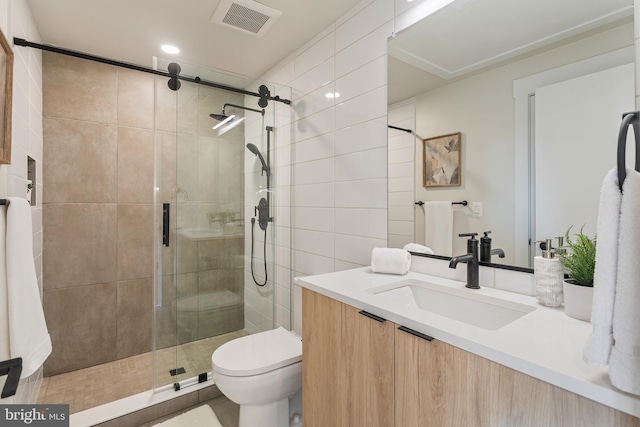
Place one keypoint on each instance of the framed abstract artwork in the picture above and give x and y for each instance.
(441, 156)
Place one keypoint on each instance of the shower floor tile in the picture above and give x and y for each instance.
(90, 387)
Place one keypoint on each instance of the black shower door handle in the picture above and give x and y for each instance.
(166, 213)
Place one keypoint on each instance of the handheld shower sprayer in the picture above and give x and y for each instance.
(262, 210)
(256, 151)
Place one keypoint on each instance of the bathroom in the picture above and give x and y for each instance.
(329, 154)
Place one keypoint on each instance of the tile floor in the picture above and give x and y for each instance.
(96, 385)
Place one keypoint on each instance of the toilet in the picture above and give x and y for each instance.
(260, 372)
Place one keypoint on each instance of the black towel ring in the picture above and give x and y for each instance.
(628, 119)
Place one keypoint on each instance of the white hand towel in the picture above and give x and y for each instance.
(28, 334)
(624, 363)
(390, 260)
(438, 227)
(416, 247)
(4, 305)
(598, 348)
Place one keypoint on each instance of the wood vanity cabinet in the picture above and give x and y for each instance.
(347, 365)
(357, 371)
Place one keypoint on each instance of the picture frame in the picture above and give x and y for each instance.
(441, 161)
(6, 99)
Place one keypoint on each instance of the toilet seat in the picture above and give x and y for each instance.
(258, 353)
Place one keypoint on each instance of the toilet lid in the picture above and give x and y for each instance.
(258, 353)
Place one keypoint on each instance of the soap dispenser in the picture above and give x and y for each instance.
(548, 276)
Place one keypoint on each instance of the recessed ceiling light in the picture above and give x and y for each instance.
(332, 95)
(167, 48)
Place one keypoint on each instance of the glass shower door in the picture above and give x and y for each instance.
(206, 295)
(209, 229)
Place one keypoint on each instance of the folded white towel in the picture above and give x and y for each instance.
(598, 347)
(390, 260)
(418, 248)
(438, 227)
(624, 363)
(28, 334)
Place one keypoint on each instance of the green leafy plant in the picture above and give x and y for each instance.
(578, 257)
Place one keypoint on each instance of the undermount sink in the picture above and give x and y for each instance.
(463, 305)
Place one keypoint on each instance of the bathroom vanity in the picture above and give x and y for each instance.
(375, 354)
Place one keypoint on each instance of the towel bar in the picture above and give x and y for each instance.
(463, 203)
(628, 119)
(4, 202)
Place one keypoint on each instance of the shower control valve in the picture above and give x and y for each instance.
(263, 213)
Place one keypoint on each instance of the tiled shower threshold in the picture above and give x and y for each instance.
(137, 404)
(101, 385)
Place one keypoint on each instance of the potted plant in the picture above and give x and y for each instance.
(578, 257)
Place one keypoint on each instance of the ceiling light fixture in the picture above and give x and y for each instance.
(167, 48)
(332, 95)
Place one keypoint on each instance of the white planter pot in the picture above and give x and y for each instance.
(577, 301)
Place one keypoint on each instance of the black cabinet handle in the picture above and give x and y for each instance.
(12, 369)
(166, 212)
(373, 316)
(415, 333)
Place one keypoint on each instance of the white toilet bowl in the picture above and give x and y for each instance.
(260, 372)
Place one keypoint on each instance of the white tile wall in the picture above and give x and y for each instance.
(16, 21)
(363, 136)
(363, 51)
(339, 147)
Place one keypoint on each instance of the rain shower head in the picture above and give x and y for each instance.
(256, 151)
(219, 117)
(223, 116)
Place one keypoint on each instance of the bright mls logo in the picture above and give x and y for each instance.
(34, 415)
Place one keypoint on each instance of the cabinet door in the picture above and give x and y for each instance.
(440, 385)
(347, 365)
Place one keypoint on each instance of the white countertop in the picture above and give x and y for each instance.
(545, 343)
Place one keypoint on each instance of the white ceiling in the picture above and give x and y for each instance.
(468, 36)
(133, 30)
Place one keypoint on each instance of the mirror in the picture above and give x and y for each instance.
(538, 98)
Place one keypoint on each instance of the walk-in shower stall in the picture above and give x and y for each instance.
(160, 189)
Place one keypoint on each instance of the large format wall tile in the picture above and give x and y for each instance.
(135, 165)
(135, 241)
(134, 317)
(82, 325)
(81, 162)
(135, 99)
(79, 89)
(79, 245)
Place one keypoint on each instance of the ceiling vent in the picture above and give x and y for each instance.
(245, 15)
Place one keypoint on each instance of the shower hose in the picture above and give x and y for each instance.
(253, 224)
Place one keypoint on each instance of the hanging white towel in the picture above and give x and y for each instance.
(438, 227)
(390, 260)
(4, 305)
(624, 363)
(28, 334)
(598, 348)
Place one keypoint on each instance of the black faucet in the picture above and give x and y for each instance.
(485, 248)
(471, 258)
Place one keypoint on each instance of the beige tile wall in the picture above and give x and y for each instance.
(98, 211)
